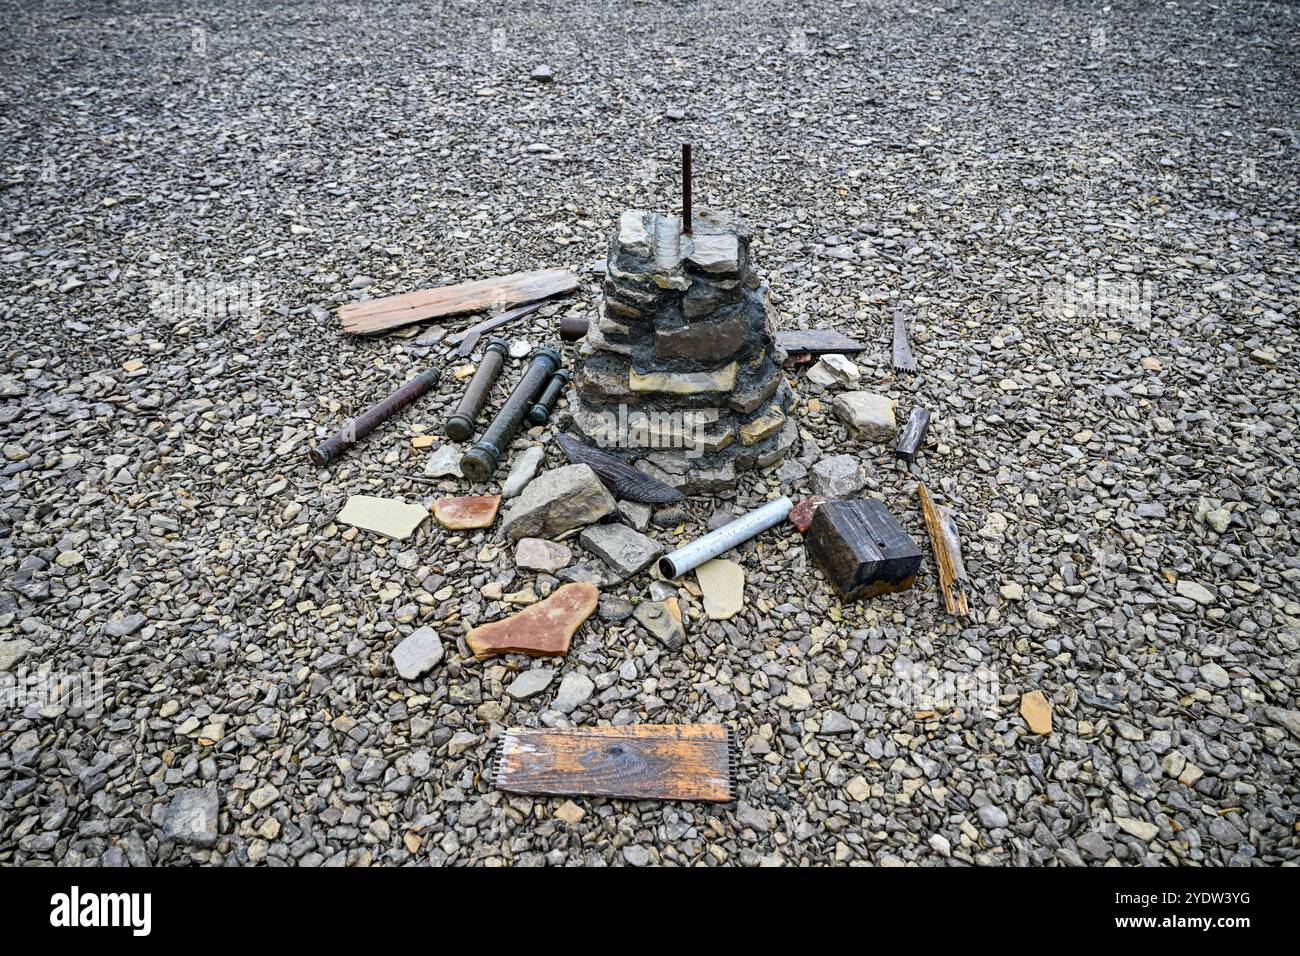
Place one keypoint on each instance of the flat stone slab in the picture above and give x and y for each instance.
(544, 629)
(464, 514)
(683, 383)
(764, 426)
(723, 584)
(558, 501)
(418, 653)
(386, 516)
(717, 253)
(623, 549)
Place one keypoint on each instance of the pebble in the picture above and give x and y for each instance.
(530, 683)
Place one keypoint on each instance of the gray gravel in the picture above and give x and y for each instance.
(1087, 213)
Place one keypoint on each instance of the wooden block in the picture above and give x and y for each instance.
(862, 549)
(639, 762)
(912, 437)
(377, 315)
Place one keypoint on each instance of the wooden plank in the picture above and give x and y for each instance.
(638, 762)
(816, 342)
(946, 544)
(378, 315)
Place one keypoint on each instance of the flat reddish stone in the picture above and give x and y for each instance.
(542, 630)
(462, 514)
(801, 515)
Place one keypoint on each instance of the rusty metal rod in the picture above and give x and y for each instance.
(480, 462)
(540, 413)
(686, 188)
(333, 448)
(460, 426)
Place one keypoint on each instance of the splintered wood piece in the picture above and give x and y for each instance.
(903, 361)
(816, 342)
(618, 476)
(465, 341)
(638, 762)
(377, 315)
(862, 549)
(946, 545)
(912, 436)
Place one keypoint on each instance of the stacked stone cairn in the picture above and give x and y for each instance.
(681, 375)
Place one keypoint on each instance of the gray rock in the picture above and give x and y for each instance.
(443, 463)
(538, 554)
(838, 476)
(193, 816)
(992, 817)
(522, 471)
(869, 416)
(624, 550)
(557, 501)
(123, 626)
(574, 690)
(420, 652)
(531, 683)
(11, 652)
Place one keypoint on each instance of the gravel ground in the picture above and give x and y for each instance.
(1089, 213)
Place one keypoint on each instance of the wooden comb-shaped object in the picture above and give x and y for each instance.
(638, 762)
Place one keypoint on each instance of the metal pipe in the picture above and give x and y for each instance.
(692, 555)
(460, 426)
(333, 448)
(540, 413)
(686, 188)
(480, 462)
(573, 327)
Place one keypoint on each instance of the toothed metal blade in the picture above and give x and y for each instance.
(903, 361)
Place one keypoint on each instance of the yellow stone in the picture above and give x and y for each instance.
(413, 841)
(683, 383)
(422, 441)
(1037, 711)
(761, 427)
(570, 812)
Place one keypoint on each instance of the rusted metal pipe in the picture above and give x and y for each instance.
(574, 327)
(540, 413)
(460, 426)
(332, 448)
(480, 462)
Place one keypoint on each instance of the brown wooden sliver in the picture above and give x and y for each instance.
(378, 315)
(947, 554)
(638, 762)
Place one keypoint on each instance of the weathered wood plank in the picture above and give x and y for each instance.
(378, 315)
(816, 342)
(946, 544)
(638, 762)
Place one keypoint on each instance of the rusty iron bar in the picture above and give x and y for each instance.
(460, 426)
(540, 413)
(333, 448)
(686, 188)
(480, 461)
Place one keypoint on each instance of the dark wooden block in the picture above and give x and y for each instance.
(862, 549)
(912, 436)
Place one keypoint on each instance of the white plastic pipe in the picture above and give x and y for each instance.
(692, 555)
